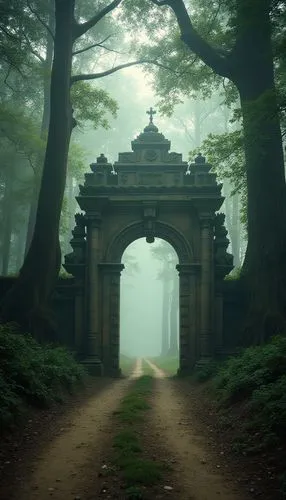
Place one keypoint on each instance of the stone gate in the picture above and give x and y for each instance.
(149, 192)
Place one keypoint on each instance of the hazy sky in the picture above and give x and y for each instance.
(141, 303)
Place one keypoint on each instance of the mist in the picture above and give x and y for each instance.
(147, 280)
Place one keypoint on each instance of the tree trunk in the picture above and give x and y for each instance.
(165, 318)
(7, 221)
(47, 64)
(71, 212)
(235, 230)
(173, 349)
(20, 247)
(27, 302)
(264, 265)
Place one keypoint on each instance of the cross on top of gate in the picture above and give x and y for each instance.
(151, 113)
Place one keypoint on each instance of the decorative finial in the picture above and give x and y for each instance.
(200, 158)
(151, 113)
(101, 159)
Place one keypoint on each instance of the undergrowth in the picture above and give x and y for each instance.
(32, 374)
(251, 392)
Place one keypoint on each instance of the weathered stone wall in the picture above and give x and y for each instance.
(62, 305)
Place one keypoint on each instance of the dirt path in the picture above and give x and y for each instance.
(197, 470)
(68, 467)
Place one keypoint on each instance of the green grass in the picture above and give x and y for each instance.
(135, 470)
(132, 406)
(32, 374)
(140, 471)
(147, 370)
(169, 364)
(126, 364)
(127, 441)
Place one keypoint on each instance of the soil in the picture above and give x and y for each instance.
(64, 453)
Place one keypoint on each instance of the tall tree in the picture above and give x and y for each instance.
(237, 45)
(28, 300)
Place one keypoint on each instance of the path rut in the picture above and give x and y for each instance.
(68, 467)
(196, 469)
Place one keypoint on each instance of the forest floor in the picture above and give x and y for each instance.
(67, 452)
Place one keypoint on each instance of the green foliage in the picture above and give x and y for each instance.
(20, 131)
(206, 372)
(31, 373)
(92, 104)
(65, 275)
(254, 384)
(255, 367)
(225, 152)
(234, 275)
(179, 72)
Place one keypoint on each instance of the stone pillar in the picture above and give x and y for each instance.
(79, 316)
(93, 344)
(188, 317)
(206, 308)
(110, 275)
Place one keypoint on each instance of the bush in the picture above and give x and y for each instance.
(31, 373)
(206, 372)
(255, 381)
(240, 376)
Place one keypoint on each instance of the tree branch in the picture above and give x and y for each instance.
(99, 44)
(80, 29)
(210, 56)
(32, 50)
(40, 19)
(94, 76)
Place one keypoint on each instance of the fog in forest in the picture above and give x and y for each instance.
(188, 126)
(149, 300)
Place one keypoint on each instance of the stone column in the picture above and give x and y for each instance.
(110, 273)
(79, 316)
(188, 317)
(206, 316)
(93, 347)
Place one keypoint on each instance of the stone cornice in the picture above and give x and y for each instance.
(111, 267)
(193, 268)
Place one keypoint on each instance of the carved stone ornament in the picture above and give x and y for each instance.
(151, 155)
(222, 257)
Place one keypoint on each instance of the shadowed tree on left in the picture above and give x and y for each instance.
(27, 302)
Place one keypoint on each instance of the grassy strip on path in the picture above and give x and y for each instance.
(169, 364)
(136, 471)
(147, 370)
(127, 365)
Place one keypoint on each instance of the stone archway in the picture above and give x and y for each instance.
(188, 288)
(150, 193)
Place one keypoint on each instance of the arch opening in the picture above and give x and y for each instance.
(161, 231)
(149, 305)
